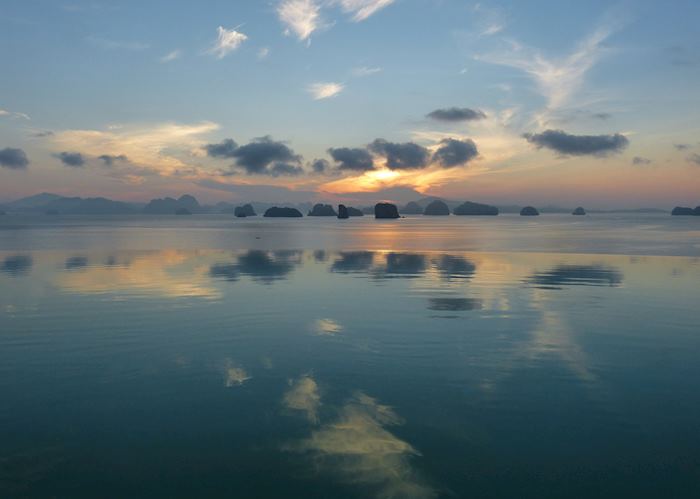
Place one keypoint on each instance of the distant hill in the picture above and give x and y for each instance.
(35, 201)
(171, 206)
(88, 206)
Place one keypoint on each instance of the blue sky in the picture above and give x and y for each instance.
(152, 82)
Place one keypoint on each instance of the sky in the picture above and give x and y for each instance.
(591, 103)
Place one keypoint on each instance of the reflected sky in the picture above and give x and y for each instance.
(349, 373)
(577, 275)
(16, 265)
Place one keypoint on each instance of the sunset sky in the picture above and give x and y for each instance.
(589, 103)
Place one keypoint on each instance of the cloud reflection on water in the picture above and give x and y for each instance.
(303, 396)
(358, 448)
(17, 265)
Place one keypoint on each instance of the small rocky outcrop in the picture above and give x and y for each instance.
(412, 208)
(529, 211)
(342, 211)
(354, 212)
(579, 211)
(386, 210)
(437, 208)
(244, 211)
(469, 208)
(684, 211)
(283, 212)
(322, 210)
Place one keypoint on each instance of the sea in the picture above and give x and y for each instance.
(425, 357)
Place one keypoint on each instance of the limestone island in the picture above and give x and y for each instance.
(469, 208)
(579, 211)
(529, 211)
(685, 211)
(342, 212)
(246, 210)
(412, 208)
(386, 210)
(282, 212)
(437, 208)
(322, 210)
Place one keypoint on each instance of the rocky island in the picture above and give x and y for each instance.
(386, 210)
(437, 208)
(579, 211)
(686, 211)
(322, 210)
(469, 208)
(282, 212)
(412, 208)
(529, 211)
(244, 211)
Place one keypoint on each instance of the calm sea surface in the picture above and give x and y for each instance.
(494, 357)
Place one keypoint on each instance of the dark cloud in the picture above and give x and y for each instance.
(355, 159)
(320, 165)
(694, 158)
(453, 114)
(43, 133)
(453, 152)
(602, 116)
(406, 156)
(578, 145)
(282, 169)
(224, 149)
(262, 156)
(681, 147)
(14, 159)
(110, 159)
(638, 160)
(73, 159)
(256, 156)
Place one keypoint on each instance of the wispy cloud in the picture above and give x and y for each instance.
(365, 71)
(158, 148)
(171, 56)
(490, 20)
(556, 79)
(13, 114)
(226, 42)
(362, 9)
(694, 159)
(301, 17)
(107, 43)
(263, 52)
(325, 90)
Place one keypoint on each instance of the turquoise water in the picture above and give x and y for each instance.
(418, 358)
